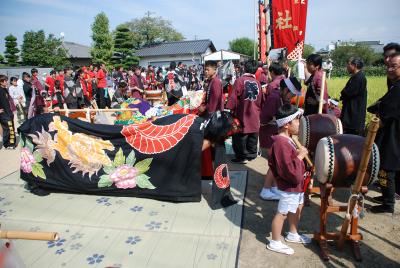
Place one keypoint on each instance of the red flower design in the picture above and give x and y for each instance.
(221, 181)
(148, 138)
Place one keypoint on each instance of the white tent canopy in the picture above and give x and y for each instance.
(223, 55)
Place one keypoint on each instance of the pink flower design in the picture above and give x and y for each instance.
(124, 177)
(27, 160)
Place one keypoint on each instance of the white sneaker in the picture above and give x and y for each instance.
(267, 194)
(279, 247)
(296, 238)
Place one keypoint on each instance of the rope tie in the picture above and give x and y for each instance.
(359, 200)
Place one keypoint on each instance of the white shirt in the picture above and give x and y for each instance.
(15, 93)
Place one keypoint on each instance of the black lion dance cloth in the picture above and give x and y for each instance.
(159, 159)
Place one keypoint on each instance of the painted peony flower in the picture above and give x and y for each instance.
(124, 177)
(126, 184)
(27, 160)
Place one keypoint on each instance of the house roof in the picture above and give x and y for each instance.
(224, 55)
(369, 43)
(177, 48)
(75, 50)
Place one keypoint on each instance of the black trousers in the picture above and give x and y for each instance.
(171, 99)
(9, 137)
(390, 184)
(102, 101)
(353, 131)
(245, 145)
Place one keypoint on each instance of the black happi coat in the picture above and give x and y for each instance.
(159, 159)
(7, 114)
(354, 98)
(388, 136)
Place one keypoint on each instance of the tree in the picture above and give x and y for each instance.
(11, 50)
(56, 53)
(37, 50)
(150, 30)
(242, 45)
(102, 47)
(308, 50)
(341, 54)
(1, 58)
(124, 47)
(32, 49)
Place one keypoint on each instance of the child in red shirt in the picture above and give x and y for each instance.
(287, 166)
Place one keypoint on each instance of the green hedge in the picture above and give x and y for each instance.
(368, 70)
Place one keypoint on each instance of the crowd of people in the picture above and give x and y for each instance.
(260, 95)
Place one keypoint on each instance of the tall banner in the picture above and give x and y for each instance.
(262, 36)
(289, 26)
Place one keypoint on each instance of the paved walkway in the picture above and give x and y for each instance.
(380, 247)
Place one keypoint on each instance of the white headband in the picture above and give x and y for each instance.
(283, 121)
(291, 87)
(336, 103)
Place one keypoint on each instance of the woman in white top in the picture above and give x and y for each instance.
(17, 94)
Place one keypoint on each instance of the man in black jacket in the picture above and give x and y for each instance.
(6, 115)
(388, 138)
(27, 87)
(354, 98)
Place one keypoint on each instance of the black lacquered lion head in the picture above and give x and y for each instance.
(220, 125)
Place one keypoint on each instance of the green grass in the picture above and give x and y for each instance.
(376, 87)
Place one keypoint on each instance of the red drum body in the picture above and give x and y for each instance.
(154, 96)
(338, 157)
(317, 126)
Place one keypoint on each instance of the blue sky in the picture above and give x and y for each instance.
(220, 21)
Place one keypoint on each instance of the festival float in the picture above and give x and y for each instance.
(149, 151)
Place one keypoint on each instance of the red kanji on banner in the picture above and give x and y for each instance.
(289, 25)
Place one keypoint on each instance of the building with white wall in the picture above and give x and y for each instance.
(188, 51)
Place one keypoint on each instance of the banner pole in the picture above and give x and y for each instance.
(255, 28)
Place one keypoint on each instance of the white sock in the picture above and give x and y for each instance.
(266, 189)
(290, 234)
(275, 190)
(273, 242)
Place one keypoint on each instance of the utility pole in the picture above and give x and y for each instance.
(148, 13)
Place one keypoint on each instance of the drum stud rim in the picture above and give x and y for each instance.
(331, 165)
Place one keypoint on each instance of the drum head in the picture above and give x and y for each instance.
(339, 126)
(375, 164)
(304, 131)
(324, 160)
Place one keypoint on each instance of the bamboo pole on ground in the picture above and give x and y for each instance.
(46, 236)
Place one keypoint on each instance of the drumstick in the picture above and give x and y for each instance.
(322, 93)
(356, 187)
(307, 158)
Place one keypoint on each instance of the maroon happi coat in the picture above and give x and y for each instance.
(135, 81)
(245, 102)
(287, 168)
(314, 84)
(214, 100)
(271, 101)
